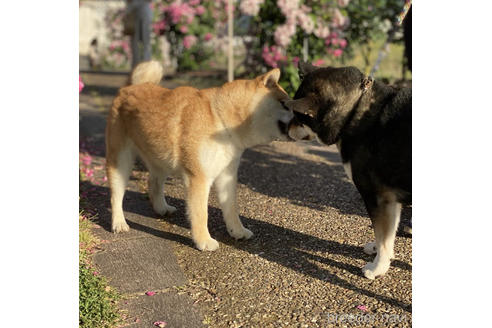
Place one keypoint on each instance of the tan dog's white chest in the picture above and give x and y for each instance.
(216, 156)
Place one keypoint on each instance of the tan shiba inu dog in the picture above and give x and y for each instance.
(198, 134)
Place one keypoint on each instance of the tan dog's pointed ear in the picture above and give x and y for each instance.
(303, 105)
(271, 78)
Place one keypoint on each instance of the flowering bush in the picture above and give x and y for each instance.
(118, 53)
(287, 28)
(188, 26)
(276, 32)
(371, 19)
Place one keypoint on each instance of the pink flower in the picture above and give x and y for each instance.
(105, 179)
(183, 29)
(208, 36)
(250, 7)
(342, 43)
(272, 55)
(159, 26)
(194, 2)
(290, 8)
(283, 34)
(81, 84)
(295, 60)
(343, 3)
(305, 22)
(177, 10)
(87, 160)
(95, 273)
(319, 62)
(189, 41)
(150, 293)
(156, 28)
(322, 31)
(268, 58)
(277, 56)
(337, 52)
(200, 10)
(339, 20)
(362, 308)
(125, 46)
(306, 9)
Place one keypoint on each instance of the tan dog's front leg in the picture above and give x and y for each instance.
(197, 202)
(226, 192)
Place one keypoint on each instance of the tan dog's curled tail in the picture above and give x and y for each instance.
(149, 71)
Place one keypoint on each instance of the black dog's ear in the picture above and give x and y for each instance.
(304, 106)
(305, 69)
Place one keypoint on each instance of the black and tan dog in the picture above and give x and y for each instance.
(371, 124)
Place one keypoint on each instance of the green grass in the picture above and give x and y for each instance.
(97, 301)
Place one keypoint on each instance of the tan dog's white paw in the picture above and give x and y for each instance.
(119, 226)
(241, 233)
(209, 244)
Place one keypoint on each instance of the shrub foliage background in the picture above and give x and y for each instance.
(275, 33)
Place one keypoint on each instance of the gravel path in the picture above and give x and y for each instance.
(303, 266)
(305, 260)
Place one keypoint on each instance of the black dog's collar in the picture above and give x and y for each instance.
(365, 85)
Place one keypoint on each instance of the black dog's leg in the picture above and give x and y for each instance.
(384, 212)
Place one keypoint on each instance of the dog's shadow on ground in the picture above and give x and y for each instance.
(286, 247)
(313, 184)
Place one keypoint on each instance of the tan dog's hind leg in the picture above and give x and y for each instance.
(225, 185)
(197, 205)
(157, 180)
(385, 223)
(119, 169)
